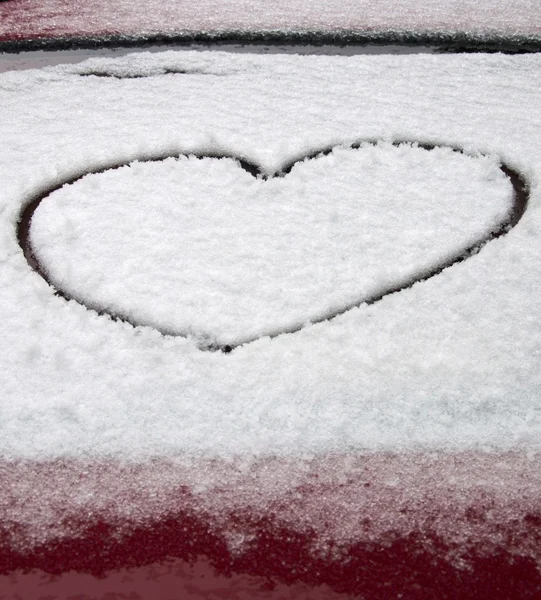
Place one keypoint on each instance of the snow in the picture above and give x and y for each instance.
(26, 19)
(37, 59)
(446, 368)
(372, 499)
(415, 370)
(202, 247)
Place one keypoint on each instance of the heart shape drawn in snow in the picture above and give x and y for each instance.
(210, 247)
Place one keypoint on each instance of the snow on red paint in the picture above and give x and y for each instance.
(23, 19)
(370, 526)
(459, 525)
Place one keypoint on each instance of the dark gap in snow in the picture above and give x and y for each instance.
(268, 42)
(520, 203)
(106, 74)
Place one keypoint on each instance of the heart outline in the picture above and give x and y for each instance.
(520, 204)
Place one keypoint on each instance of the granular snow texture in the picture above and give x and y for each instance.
(448, 368)
(24, 19)
(450, 363)
(202, 247)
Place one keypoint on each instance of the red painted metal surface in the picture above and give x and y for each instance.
(402, 570)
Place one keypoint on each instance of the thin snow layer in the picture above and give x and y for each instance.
(469, 500)
(452, 363)
(27, 19)
(202, 247)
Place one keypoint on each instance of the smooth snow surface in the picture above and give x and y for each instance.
(28, 19)
(452, 363)
(202, 247)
